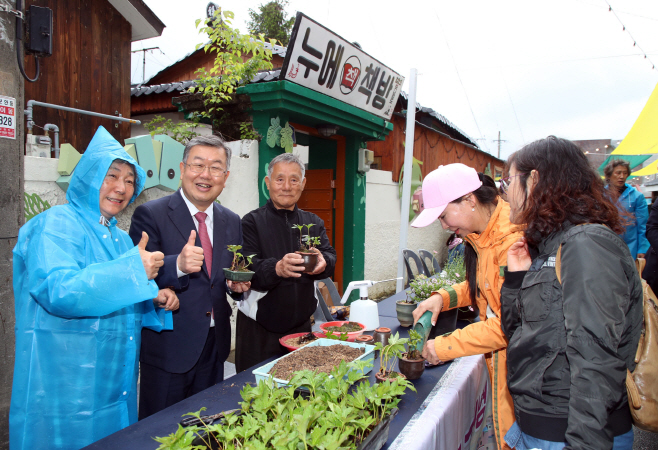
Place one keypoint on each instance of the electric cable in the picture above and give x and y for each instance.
(460, 78)
(19, 39)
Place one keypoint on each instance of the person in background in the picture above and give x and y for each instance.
(82, 295)
(288, 299)
(572, 305)
(468, 204)
(192, 230)
(632, 205)
(650, 272)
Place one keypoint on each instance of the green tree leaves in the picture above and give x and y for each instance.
(272, 21)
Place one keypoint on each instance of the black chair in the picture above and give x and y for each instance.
(435, 266)
(420, 267)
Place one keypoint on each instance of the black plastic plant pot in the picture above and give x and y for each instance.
(310, 260)
(232, 275)
(411, 368)
(379, 435)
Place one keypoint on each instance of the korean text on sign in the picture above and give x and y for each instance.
(7, 117)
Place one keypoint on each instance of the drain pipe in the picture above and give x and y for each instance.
(32, 103)
(54, 129)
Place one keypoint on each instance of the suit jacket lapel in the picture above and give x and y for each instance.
(180, 215)
(219, 238)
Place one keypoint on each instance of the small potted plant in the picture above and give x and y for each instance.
(306, 243)
(389, 354)
(405, 308)
(238, 270)
(412, 364)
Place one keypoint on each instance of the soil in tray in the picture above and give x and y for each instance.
(319, 359)
(301, 341)
(345, 328)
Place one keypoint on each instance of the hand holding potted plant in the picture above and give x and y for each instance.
(238, 270)
(308, 247)
(389, 354)
(412, 364)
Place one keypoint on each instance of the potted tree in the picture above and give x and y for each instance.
(389, 354)
(306, 243)
(238, 270)
(412, 364)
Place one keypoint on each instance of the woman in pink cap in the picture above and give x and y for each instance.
(468, 204)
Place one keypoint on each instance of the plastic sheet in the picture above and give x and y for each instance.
(81, 299)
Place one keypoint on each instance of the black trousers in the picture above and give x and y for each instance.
(254, 343)
(159, 389)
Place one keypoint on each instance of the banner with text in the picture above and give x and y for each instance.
(320, 60)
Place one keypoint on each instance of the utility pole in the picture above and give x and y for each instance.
(11, 198)
(144, 50)
(499, 140)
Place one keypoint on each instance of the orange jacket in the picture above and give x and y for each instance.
(486, 336)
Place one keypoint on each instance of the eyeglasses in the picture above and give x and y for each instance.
(215, 171)
(507, 181)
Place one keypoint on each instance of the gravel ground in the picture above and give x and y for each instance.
(644, 440)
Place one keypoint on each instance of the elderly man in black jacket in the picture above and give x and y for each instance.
(268, 233)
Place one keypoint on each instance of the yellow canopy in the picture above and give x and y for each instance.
(651, 169)
(643, 137)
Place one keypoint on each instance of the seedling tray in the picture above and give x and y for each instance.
(261, 372)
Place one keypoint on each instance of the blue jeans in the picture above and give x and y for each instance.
(517, 439)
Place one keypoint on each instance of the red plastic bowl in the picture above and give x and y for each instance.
(290, 348)
(337, 323)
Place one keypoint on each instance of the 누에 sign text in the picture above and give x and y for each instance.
(320, 60)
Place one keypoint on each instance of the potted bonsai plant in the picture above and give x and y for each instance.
(405, 308)
(306, 243)
(389, 354)
(238, 270)
(412, 364)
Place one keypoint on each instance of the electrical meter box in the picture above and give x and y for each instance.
(366, 157)
(36, 145)
(39, 31)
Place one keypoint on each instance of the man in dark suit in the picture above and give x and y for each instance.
(192, 231)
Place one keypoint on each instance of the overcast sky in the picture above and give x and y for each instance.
(525, 68)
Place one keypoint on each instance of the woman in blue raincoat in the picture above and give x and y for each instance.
(631, 204)
(82, 293)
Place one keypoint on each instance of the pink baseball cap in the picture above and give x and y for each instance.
(443, 185)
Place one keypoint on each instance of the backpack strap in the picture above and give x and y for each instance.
(558, 264)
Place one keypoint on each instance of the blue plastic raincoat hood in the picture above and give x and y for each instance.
(81, 299)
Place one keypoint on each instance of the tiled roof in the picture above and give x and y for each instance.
(140, 89)
(276, 50)
(270, 75)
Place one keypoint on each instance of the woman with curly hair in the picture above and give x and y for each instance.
(571, 305)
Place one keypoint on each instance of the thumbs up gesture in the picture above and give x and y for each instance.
(190, 258)
(152, 260)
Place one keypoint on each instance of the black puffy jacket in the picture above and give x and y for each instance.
(570, 343)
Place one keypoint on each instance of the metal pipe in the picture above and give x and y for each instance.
(406, 178)
(55, 129)
(31, 103)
